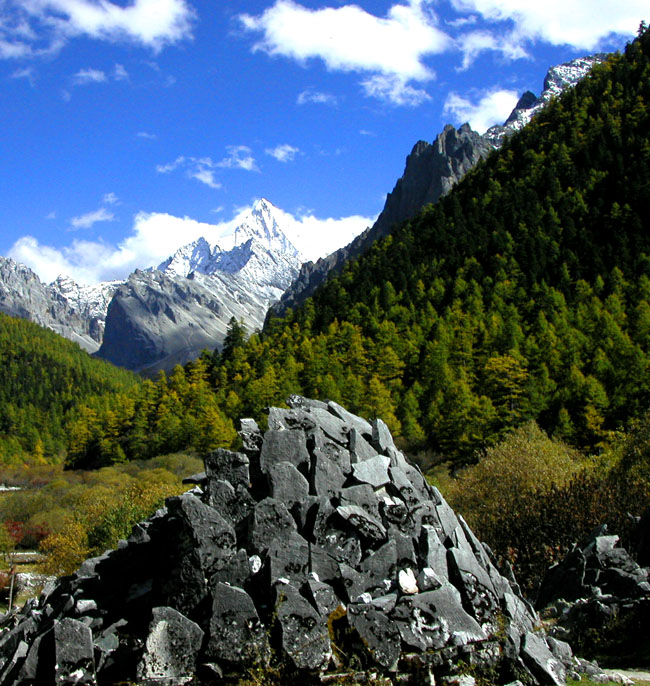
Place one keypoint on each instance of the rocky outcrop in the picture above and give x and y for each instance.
(318, 548)
(24, 295)
(156, 320)
(431, 171)
(598, 598)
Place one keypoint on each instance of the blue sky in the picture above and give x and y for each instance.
(130, 127)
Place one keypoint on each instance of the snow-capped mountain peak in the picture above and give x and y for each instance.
(193, 257)
(263, 222)
(88, 301)
(557, 80)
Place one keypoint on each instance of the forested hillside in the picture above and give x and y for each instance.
(523, 294)
(44, 378)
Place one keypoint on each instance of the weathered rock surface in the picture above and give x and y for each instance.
(599, 599)
(319, 547)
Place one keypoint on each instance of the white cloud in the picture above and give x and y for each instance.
(316, 237)
(205, 175)
(14, 49)
(390, 49)
(493, 107)
(86, 221)
(199, 168)
(166, 168)
(26, 73)
(283, 153)
(32, 28)
(582, 24)
(86, 76)
(239, 157)
(316, 97)
(394, 90)
(146, 135)
(156, 236)
(474, 43)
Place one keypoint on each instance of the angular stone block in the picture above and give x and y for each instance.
(364, 496)
(171, 648)
(358, 423)
(367, 527)
(237, 637)
(284, 446)
(373, 471)
(268, 522)
(74, 660)
(234, 504)
(229, 466)
(288, 558)
(379, 634)
(323, 446)
(382, 439)
(304, 633)
(541, 661)
(331, 426)
(213, 537)
(326, 477)
(287, 484)
(322, 597)
(360, 449)
(435, 619)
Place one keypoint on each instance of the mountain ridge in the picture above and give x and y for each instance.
(430, 171)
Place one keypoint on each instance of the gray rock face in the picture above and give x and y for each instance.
(371, 569)
(24, 295)
(431, 170)
(599, 589)
(157, 320)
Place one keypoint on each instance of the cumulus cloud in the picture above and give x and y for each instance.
(493, 107)
(88, 220)
(390, 49)
(584, 24)
(283, 153)
(40, 27)
(25, 73)
(156, 236)
(310, 96)
(205, 175)
(474, 43)
(394, 90)
(199, 168)
(239, 157)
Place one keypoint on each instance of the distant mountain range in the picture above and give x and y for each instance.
(164, 316)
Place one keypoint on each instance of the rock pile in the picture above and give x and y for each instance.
(318, 550)
(599, 599)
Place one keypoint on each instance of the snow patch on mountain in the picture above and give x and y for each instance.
(258, 251)
(557, 80)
